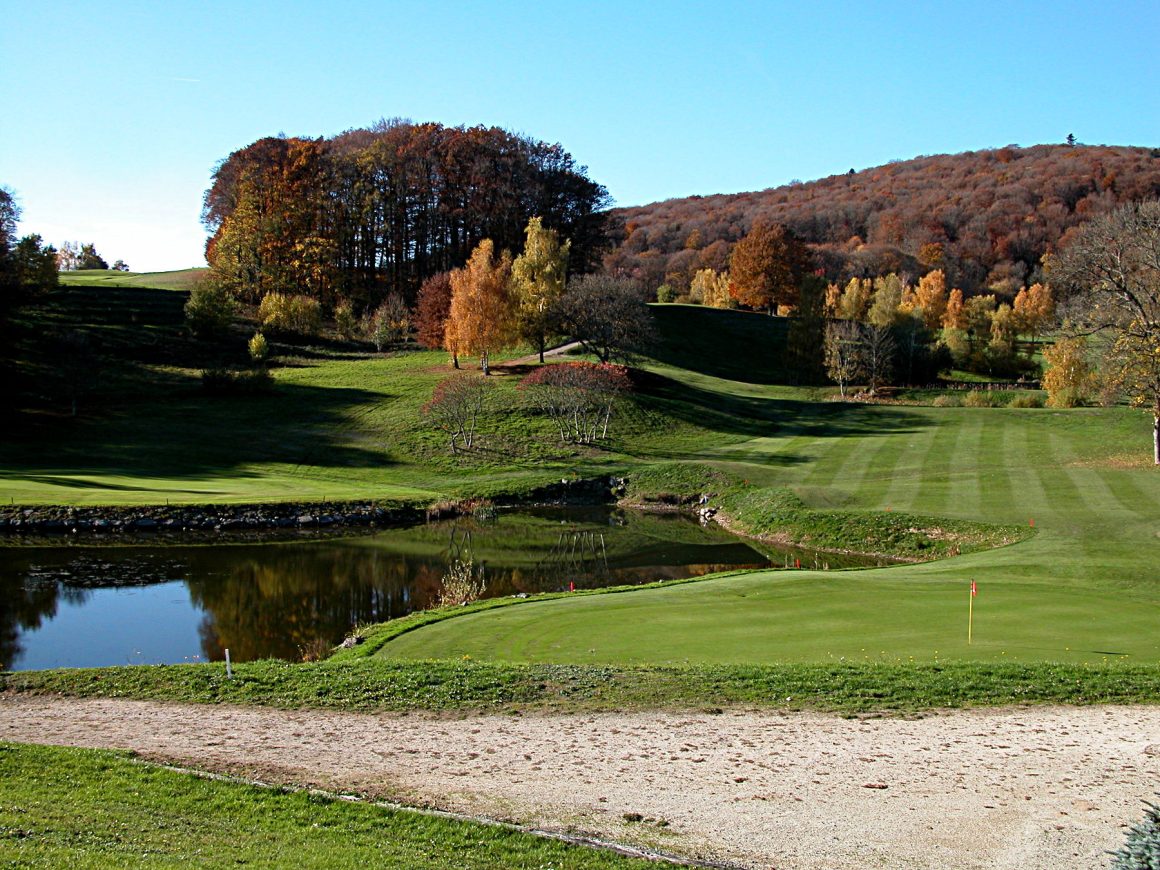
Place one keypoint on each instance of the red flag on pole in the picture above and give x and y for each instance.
(974, 591)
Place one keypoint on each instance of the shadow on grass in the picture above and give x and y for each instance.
(735, 345)
(188, 434)
(757, 417)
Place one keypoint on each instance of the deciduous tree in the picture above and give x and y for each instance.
(843, 353)
(538, 280)
(766, 267)
(953, 317)
(855, 299)
(1110, 274)
(879, 350)
(432, 310)
(931, 297)
(711, 288)
(1068, 379)
(210, 309)
(481, 317)
(90, 259)
(805, 340)
(389, 325)
(455, 407)
(578, 397)
(886, 301)
(607, 315)
(1034, 309)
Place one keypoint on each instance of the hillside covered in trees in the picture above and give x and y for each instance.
(986, 218)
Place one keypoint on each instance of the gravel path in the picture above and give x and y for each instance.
(1036, 787)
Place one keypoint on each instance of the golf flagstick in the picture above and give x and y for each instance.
(971, 612)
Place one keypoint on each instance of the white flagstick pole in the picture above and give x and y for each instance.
(970, 612)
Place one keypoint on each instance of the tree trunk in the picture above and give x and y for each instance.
(455, 360)
(1156, 436)
(483, 363)
(542, 343)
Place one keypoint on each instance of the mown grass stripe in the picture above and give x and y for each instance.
(830, 462)
(965, 491)
(994, 481)
(934, 483)
(865, 471)
(1030, 496)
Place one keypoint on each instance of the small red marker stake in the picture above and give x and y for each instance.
(1033, 522)
(571, 586)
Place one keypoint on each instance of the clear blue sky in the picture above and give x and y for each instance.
(113, 114)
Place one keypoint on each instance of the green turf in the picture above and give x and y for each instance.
(181, 279)
(342, 423)
(84, 808)
(346, 423)
(370, 684)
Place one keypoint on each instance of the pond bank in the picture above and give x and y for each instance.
(227, 519)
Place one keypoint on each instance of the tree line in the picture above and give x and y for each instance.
(376, 211)
(27, 264)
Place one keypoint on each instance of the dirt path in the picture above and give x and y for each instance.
(535, 357)
(1039, 787)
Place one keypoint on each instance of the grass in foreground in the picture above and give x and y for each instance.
(368, 685)
(84, 808)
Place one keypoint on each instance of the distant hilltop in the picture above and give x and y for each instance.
(985, 217)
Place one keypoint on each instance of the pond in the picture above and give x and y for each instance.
(136, 601)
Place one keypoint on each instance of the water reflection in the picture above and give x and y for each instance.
(293, 600)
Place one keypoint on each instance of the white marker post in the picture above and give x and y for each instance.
(970, 614)
(229, 669)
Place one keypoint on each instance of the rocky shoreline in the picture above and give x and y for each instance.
(279, 517)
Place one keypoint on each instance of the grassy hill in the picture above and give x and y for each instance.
(344, 422)
(181, 279)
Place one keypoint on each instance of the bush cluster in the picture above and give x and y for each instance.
(989, 399)
(227, 382)
(210, 309)
(290, 313)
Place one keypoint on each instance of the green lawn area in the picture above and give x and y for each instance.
(84, 808)
(180, 279)
(345, 422)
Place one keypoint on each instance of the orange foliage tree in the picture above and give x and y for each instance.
(432, 309)
(1034, 307)
(953, 316)
(931, 297)
(480, 321)
(766, 267)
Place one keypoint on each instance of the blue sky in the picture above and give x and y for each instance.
(113, 114)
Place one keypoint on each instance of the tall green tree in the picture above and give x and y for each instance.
(90, 259)
(538, 279)
(27, 265)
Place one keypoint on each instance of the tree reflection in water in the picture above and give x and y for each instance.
(290, 600)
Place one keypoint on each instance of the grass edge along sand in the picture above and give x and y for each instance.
(97, 808)
(441, 686)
